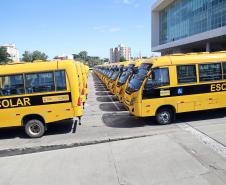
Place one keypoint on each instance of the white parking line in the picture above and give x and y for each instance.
(205, 139)
(110, 96)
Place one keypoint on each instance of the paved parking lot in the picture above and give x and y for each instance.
(112, 147)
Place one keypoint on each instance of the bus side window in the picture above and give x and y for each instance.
(224, 70)
(160, 77)
(186, 74)
(12, 85)
(60, 80)
(210, 72)
(40, 82)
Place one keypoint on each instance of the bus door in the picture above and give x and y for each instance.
(155, 90)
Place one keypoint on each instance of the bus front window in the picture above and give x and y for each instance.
(125, 75)
(138, 78)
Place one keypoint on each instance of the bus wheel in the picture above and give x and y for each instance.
(34, 128)
(164, 116)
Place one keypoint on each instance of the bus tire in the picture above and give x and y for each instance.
(164, 116)
(34, 128)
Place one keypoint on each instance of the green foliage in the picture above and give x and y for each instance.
(27, 56)
(83, 55)
(91, 61)
(4, 56)
(32, 56)
(122, 59)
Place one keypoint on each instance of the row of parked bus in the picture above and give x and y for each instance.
(166, 85)
(35, 94)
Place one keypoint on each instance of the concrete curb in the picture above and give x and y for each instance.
(38, 149)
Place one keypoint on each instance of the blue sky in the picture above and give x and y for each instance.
(69, 26)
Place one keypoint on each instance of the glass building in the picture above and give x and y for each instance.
(179, 20)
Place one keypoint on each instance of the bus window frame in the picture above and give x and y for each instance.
(24, 80)
(203, 82)
(66, 80)
(40, 73)
(149, 77)
(163, 86)
(222, 68)
(196, 74)
(13, 74)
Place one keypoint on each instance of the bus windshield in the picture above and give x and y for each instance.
(125, 75)
(117, 73)
(137, 78)
(110, 73)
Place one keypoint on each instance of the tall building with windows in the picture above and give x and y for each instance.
(12, 51)
(117, 53)
(180, 26)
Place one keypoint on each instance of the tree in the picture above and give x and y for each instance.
(32, 56)
(122, 59)
(4, 56)
(37, 55)
(83, 55)
(27, 57)
(91, 61)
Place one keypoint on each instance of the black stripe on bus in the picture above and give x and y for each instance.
(184, 90)
(35, 100)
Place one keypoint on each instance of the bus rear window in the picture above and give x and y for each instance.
(60, 80)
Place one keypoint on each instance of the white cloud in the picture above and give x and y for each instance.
(133, 3)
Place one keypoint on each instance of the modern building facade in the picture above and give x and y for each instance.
(181, 26)
(117, 53)
(12, 51)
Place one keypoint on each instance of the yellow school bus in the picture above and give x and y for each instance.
(111, 85)
(177, 84)
(81, 82)
(33, 95)
(125, 77)
(85, 79)
(87, 70)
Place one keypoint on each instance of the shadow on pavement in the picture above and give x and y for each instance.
(201, 115)
(99, 86)
(103, 93)
(107, 99)
(62, 127)
(111, 107)
(101, 89)
(126, 121)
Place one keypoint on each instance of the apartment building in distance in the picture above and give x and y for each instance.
(183, 26)
(120, 51)
(12, 51)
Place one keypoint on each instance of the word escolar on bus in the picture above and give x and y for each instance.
(15, 102)
(218, 87)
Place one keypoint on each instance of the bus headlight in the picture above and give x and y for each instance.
(132, 101)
